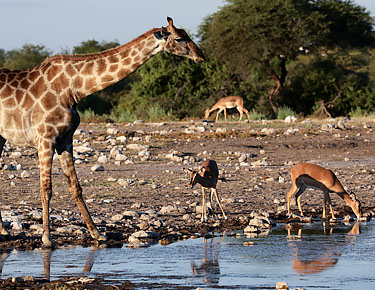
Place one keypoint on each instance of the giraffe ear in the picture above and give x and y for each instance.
(170, 21)
(161, 34)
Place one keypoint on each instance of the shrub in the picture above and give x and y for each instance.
(284, 112)
(123, 116)
(254, 115)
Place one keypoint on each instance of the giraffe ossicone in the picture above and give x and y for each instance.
(38, 106)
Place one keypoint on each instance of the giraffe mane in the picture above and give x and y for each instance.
(97, 55)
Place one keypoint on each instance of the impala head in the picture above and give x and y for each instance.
(206, 113)
(193, 175)
(356, 205)
(177, 41)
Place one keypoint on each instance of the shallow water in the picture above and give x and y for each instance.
(315, 257)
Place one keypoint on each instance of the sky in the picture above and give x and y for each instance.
(63, 24)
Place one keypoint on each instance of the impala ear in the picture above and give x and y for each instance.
(352, 196)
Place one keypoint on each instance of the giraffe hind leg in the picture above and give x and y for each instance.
(75, 189)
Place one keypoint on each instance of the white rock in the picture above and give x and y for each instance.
(137, 147)
(290, 119)
(103, 159)
(83, 149)
(97, 167)
(112, 131)
(221, 130)
(25, 174)
(121, 157)
(122, 139)
(268, 131)
(282, 285)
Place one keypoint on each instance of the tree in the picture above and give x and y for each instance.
(271, 33)
(103, 101)
(178, 86)
(27, 57)
(92, 46)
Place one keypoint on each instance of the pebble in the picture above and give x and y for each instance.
(97, 167)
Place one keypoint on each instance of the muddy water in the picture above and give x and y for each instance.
(313, 256)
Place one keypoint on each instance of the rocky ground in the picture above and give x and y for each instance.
(136, 189)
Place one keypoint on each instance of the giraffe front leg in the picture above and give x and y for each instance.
(3, 231)
(45, 164)
(75, 190)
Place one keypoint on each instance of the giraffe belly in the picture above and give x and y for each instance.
(13, 129)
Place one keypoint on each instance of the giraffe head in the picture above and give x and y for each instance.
(177, 41)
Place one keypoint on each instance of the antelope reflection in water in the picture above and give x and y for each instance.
(311, 257)
(209, 269)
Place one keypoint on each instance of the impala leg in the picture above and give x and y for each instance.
(217, 115)
(75, 190)
(204, 213)
(219, 202)
(240, 111)
(212, 202)
(298, 198)
(247, 113)
(225, 114)
(289, 196)
(327, 199)
(3, 231)
(45, 154)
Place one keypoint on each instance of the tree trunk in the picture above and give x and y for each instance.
(279, 82)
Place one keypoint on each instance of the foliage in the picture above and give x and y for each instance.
(304, 55)
(103, 101)
(92, 46)
(255, 115)
(284, 112)
(123, 116)
(271, 33)
(177, 85)
(357, 112)
(27, 57)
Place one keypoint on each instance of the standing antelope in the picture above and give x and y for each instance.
(306, 175)
(207, 177)
(228, 103)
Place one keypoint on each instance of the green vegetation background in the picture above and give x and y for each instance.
(282, 56)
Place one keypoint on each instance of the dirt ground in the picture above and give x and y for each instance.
(149, 190)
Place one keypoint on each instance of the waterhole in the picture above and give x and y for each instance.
(311, 256)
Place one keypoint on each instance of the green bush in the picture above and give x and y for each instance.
(285, 111)
(357, 112)
(123, 116)
(254, 115)
(156, 112)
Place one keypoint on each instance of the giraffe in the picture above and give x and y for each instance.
(38, 106)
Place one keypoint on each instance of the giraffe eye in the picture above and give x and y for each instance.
(179, 39)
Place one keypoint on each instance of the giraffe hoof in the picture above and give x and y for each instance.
(102, 238)
(4, 232)
(48, 245)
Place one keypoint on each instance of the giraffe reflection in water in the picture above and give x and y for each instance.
(47, 254)
(310, 258)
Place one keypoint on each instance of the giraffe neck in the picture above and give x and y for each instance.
(87, 74)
